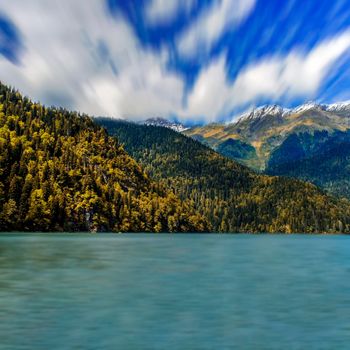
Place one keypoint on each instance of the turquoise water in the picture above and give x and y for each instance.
(174, 292)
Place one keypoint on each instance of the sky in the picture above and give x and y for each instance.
(196, 61)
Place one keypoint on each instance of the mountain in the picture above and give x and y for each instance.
(341, 109)
(165, 124)
(266, 128)
(263, 111)
(291, 142)
(60, 171)
(231, 196)
(321, 158)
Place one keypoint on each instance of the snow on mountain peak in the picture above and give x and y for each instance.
(342, 108)
(165, 124)
(338, 107)
(306, 107)
(273, 110)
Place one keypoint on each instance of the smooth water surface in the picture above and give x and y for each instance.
(174, 292)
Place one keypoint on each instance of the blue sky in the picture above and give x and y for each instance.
(193, 60)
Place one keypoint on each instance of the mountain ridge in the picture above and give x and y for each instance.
(278, 110)
(274, 140)
(61, 171)
(268, 127)
(230, 195)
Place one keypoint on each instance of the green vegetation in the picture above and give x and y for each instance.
(310, 145)
(321, 158)
(60, 171)
(265, 133)
(229, 195)
(236, 149)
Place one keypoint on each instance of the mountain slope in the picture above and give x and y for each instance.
(322, 158)
(232, 197)
(60, 171)
(268, 127)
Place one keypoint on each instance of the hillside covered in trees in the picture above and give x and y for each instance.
(60, 171)
(232, 197)
(322, 158)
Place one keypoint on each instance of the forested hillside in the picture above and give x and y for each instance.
(60, 171)
(232, 197)
(322, 158)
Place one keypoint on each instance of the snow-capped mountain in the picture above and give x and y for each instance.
(262, 111)
(253, 138)
(165, 124)
(342, 108)
(307, 107)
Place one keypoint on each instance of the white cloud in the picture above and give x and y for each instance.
(79, 57)
(297, 74)
(84, 59)
(164, 11)
(211, 24)
(210, 93)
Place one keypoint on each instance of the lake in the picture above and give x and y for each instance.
(174, 292)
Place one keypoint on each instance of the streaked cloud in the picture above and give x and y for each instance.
(81, 55)
(197, 60)
(202, 34)
(293, 75)
(164, 11)
(10, 39)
